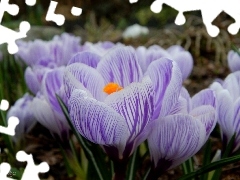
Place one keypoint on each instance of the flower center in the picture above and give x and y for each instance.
(111, 88)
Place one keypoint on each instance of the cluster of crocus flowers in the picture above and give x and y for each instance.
(118, 97)
(44, 76)
(227, 102)
(227, 108)
(118, 106)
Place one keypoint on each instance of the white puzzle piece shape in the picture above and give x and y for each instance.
(31, 171)
(7, 35)
(12, 123)
(210, 9)
(4, 170)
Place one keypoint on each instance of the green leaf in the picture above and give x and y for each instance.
(188, 166)
(226, 153)
(210, 167)
(206, 157)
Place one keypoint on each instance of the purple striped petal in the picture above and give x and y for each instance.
(181, 106)
(71, 83)
(97, 122)
(231, 83)
(174, 139)
(141, 52)
(51, 85)
(236, 123)
(147, 56)
(49, 118)
(167, 82)
(206, 114)
(120, 66)
(25, 116)
(32, 52)
(153, 55)
(225, 112)
(183, 58)
(64, 47)
(204, 97)
(89, 77)
(32, 81)
(184, 94)
(88, 58)
(185, 63)
(233, 59)
(135, 104)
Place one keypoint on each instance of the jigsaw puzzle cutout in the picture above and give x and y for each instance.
(12, 121)
(4, 105)
(9, 36)
(12, 124)
(4, 171)
(51, 16)
(210, 9)
(31, 171)
(59, 19)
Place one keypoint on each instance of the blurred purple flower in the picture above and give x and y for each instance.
(45, 106)
(33, 77)
(119, 121)
(99, 48)
(58, 51)
(227, 108)
(86, 57)
(147, 55)
(182, 57)
(233, 59)
(21, 110)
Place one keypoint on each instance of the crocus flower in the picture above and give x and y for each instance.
(112, 104)
(148, 55)
(33, 77)
(86, 57)
(21, 110)
(233, 59)
(227, 107)
(177, 137)
(58, 51)
(64, 47)
(45, 106)
(182, 57)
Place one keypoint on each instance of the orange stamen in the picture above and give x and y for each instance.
(111, 88)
